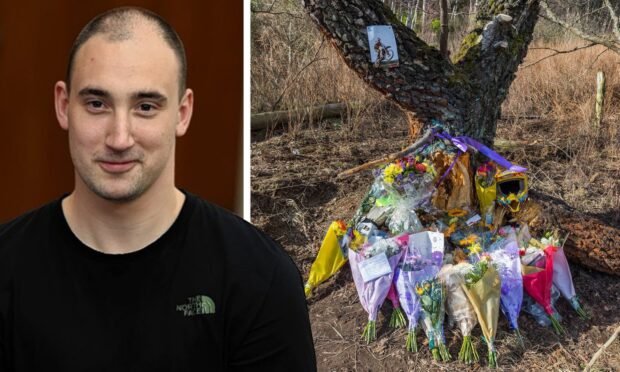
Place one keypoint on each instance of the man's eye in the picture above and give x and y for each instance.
(95, 104)
(146, 107)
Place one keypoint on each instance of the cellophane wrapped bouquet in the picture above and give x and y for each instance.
(505, 255)
(373, 267)
(428, 248)
(482, 287)
(459, 308)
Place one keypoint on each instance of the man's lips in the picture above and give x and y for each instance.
(117, 166)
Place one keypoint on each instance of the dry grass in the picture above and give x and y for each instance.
(570, 158)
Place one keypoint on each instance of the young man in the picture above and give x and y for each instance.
(128, 273)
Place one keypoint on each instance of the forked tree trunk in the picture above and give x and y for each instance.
(466, 93)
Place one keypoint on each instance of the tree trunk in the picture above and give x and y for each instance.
(465, 95)
(410, 14)
(443, 36)
(424, 9)
(415, 14)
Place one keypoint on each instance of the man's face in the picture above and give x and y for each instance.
(123, 114)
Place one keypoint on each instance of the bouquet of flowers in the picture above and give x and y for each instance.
(482, 287)
(398, 318)
(411, 177)
(432, 297)
(508, 263)
(459, 308)
(412, 267)
(562, 278)
(428, 246)
(330, 258)
(537, 283)
(373, 268)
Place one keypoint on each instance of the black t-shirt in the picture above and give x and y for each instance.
(212, 293)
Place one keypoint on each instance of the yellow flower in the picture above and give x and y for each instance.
(358, 240)
(449, 230)
(471, 239)
(474, 248)
(419, 290)
(457, 212)
(391, 171)
(339, 227)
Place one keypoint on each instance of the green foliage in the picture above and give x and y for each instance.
(436, 25)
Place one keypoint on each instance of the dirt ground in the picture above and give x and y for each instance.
(295, 196)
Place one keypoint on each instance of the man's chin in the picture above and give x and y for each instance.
(118, 195)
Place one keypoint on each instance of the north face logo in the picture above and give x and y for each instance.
(197, 305)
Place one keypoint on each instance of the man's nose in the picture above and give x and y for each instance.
(120, 135)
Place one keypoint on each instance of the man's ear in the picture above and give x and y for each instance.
(186, 107)
(61, 102)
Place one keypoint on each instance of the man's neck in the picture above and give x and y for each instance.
(118, 228)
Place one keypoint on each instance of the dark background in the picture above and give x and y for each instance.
(35, 38)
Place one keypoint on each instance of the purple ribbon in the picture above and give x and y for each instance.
(456, 157)
(463, 142)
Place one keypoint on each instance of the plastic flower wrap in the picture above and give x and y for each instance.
(562, 278)
(537, 282)
(486, 190)
(403, 218)
(532, 307)
(482, 287)
(506, 259)
(330, 258)
(398, 318)
(421, 261)
(459, 308)
(373, 269)
(412, 268)
(377, 190)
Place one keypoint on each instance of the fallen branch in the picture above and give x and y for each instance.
(371, 164)
(266, 120)
(499, 143)
(600, 351)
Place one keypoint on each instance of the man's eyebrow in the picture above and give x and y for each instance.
(151, 94)
(90, 91)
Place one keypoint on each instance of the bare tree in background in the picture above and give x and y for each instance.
(595, 21)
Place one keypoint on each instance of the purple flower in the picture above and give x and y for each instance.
(437, 258)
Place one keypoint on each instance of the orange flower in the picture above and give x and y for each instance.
(471, 239)
(449, 230)
(457, 212)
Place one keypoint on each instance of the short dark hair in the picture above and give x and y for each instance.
(116, 24)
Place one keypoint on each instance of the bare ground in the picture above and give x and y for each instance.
(295, 196)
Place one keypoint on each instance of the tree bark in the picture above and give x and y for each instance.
(443, 36)
(465, 95)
